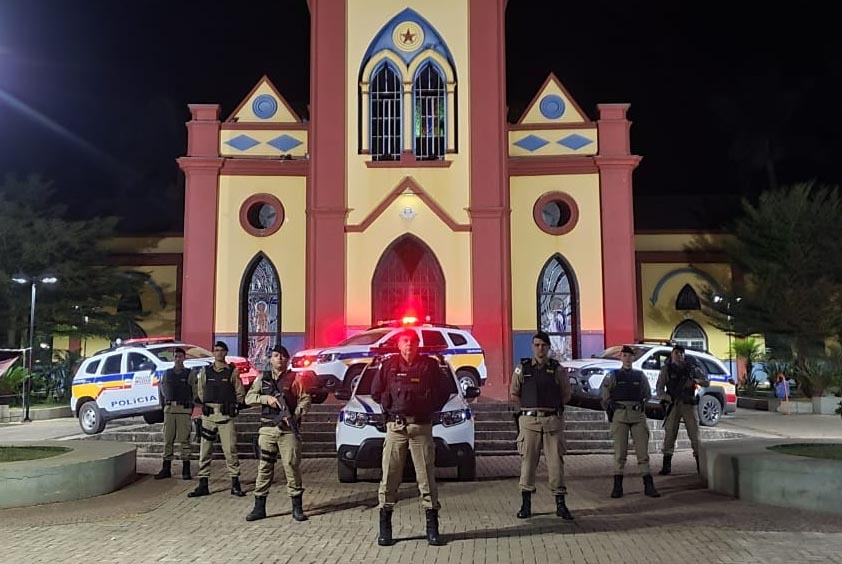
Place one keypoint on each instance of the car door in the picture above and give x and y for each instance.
(651, 366)
(112, 383)
(140, 372)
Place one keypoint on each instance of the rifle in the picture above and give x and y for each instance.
(286, 416)
(610, 411)
(667, 411)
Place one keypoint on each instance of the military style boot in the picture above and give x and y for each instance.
(618, 486)
(201, 489)
(298, 508)
(185, 470)
(433, 538)
(259, 511)
(667, 468)
(165, 472)
(235, 487)
(385, 536)
(561, 509)
(526, 506)
(649, 486)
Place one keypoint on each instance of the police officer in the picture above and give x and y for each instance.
(676, 388)
(624, 396)
(410, 388)
(177, 389)
(540, 389)
(220, 392)
(276, 433)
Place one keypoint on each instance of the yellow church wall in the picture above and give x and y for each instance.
(661, 318)
(286, 249)
(531, 247)
(449, 186)
(551, 136)
(452, 249)
(673, 241)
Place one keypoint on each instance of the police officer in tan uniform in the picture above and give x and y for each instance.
(540, 389)
(177, 389)
(624, 396)
(410, 388)
(220, 392)
(676, 388)
(280, 397)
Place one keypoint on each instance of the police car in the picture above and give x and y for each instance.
(338, 366)
(361, 428)
(123, 381)
(720, 397)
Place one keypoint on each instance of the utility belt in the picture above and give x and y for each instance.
(539, 412)
(184, 404)
(635, 407)
(227, 409)
(408, 420)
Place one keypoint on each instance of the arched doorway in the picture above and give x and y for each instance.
(408, 280)
(558, 308)
(260, 311)
(690, 335)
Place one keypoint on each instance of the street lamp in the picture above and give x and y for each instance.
(720, 299)
(27, 387)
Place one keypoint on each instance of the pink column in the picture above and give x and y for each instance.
(489, 208)
(616, 164)
(326, 208)
(201, 170)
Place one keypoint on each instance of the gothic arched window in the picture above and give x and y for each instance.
(430, 113)
(557, 308)
(261, 311)
(690, 335)
(687, 299)
(385, 114)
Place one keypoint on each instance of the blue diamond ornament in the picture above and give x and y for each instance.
(575, 141)
(531, 143)
(242, 142)
(284, 143)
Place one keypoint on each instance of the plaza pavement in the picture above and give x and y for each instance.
(154, 521)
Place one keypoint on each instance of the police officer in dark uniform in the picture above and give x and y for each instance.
(410, 388)
(177, 390)
(540, 389)
(220, 393)
(624, 395)
(676, 389)
(276, 435)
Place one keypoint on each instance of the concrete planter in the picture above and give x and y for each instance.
(799, 406)
(825, 405)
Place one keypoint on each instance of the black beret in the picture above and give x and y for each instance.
(281, 350)
(627, 349)
(540, 335)
(221, 344)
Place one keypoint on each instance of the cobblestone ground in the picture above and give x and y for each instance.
(154, 521)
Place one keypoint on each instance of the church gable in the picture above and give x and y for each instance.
(553, 105)
(264, 104)
(408, 35)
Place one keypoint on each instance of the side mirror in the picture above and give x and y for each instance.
(342, 394)
(471, 392)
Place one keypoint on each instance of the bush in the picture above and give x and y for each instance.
(818, 377)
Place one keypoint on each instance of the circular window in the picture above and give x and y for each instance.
(556, 213)
(262, 215)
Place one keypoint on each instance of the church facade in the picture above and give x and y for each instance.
(408, 193)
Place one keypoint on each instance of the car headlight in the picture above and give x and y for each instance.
(593, 371)
(451, 418)
(353, 418)
(326, 357)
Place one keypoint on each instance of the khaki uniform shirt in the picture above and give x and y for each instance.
(239, 390)
(561, 379)
(661, 387)
(256, 397)
(610, 382)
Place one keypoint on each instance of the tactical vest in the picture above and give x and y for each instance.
(271, 387)
(218, 385)
(539, 389)
(409, 390)
(175, 386)
(677, 377)
(628, 385)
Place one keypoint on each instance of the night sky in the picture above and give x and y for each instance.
(94, 93)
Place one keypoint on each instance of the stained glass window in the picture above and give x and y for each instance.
(429, 96)
(262, 312)
(557, 309)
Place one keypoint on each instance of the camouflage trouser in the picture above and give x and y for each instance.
(417, 439)
(272, 441)
(224, 429)
(680, 411)
(541, 433)
(177, 430)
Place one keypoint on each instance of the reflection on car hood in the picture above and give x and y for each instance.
(365, 404)
(580, 363)
(308, 352)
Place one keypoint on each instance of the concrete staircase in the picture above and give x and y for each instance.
(586, 432)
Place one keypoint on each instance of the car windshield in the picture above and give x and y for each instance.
(613, 353)
(365, 338)
(367, 378)
(167, 353)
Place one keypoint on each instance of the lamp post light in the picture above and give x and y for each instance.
(27, 385)
(720, 299)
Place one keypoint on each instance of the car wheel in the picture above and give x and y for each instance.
(710, 410)
(91, 419)
(319, 396)
(466, 379)
(153, 417)
(347, 472)
(466, 469)
(352, 376)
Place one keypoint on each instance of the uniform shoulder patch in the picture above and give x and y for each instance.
(518, 370)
